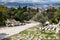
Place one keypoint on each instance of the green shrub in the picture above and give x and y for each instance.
(6, 39)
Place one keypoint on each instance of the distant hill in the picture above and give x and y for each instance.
(11, 4)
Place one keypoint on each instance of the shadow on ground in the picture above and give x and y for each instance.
(2, 35)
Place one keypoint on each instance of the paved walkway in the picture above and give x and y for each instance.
(8, 31)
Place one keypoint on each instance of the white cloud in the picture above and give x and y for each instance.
(12, 0)
(55, 0)
(31, 0)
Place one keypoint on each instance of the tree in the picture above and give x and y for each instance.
(25, 8)
(56, 17)
(11, 12)
(40, 18)
(50, 12)
(57, 14)
(3, 13)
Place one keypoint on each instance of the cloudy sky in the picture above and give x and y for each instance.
(30, 1)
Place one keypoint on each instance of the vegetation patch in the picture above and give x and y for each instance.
(7, 38)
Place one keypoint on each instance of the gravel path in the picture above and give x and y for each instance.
(8, 31)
